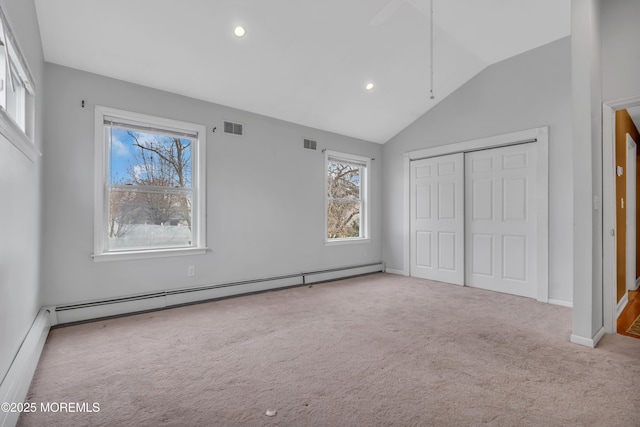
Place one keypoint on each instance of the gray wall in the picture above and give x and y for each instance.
(620, 49)
(587, 170)
(527, 91)
(20, 188)
(265, 195)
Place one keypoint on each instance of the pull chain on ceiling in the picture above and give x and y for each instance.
(431, 49)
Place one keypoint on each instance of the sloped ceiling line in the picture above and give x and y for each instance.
(313, 57)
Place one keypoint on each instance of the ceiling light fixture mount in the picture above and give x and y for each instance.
(239, 31)
(369, 86)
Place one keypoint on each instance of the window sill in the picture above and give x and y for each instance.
(351, 241)
(12, 132)
(158, 253)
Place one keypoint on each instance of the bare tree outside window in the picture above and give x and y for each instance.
(344, 199)
(150, 189)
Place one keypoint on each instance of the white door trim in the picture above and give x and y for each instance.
(630, 211)
(609, 231)
(538, 135)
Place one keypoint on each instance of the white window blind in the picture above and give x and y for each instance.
(131, 125)
(349, 162)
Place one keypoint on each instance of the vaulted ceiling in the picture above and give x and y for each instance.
(303, 61)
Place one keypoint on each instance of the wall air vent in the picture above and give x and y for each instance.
(233, 128)
(310, 144)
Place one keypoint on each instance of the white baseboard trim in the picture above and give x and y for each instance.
(16, 383)
(622, 304)
(397, 272)
(170, 298)
(561, 302)
(637, 284)
(588, 342)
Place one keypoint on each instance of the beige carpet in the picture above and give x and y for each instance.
(377, 350)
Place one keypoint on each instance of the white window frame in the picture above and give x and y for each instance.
(364, 198)
(198, 155)
(17, 126)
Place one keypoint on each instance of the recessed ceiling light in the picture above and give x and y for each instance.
(369, 86)
(239, 31)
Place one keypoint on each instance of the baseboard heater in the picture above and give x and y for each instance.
(170, 298)
(15, 384)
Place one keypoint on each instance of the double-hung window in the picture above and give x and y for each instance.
(17, 93)
(150, 179)
(346, 204)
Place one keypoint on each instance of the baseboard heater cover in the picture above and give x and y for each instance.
(339, 273)
(179, 297)
(110, 308)
(15, 385)
(163, 299)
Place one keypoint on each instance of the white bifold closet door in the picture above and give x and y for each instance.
(437, 218)
(500, 220)
(473, 219)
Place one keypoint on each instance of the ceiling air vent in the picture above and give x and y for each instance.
(233, 128)
(310, 144)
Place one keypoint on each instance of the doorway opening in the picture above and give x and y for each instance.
(621, 268)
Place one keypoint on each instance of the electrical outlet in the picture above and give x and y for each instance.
(191, 271)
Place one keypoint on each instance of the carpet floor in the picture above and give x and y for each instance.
(376, 350)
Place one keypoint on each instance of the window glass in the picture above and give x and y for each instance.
(17, 94)
(345, 197)
(150, 189)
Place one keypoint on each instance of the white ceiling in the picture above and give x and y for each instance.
(303, 61)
